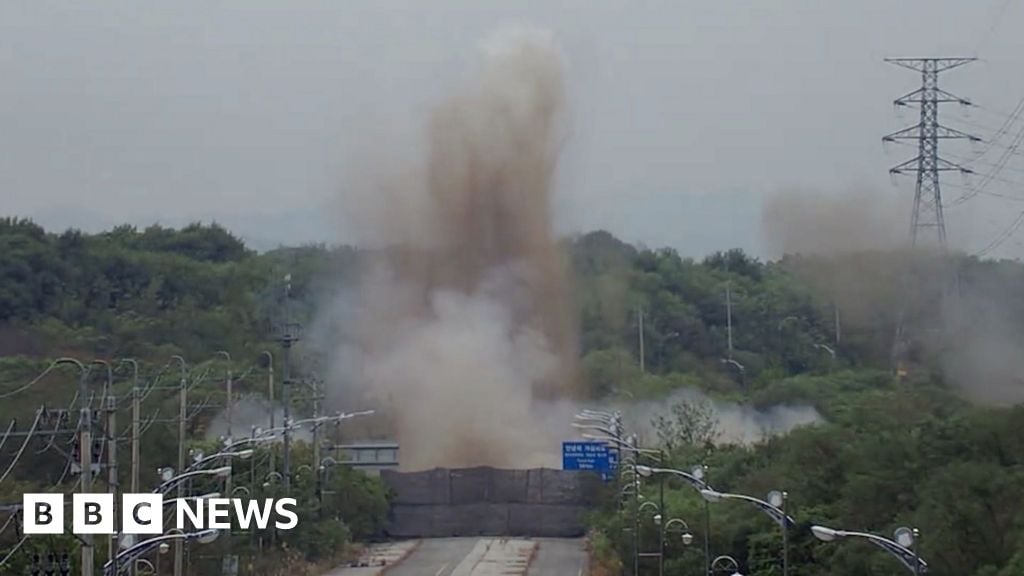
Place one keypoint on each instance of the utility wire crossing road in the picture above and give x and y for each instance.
(479, 557)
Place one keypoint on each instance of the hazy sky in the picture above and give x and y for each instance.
(685, 115)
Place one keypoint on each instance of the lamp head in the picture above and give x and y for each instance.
(824, 534)
(698, 472)
(164, 547)
(222, 472)
(711, 495)
(904, 536)
(208, 537)
(776, 498)
(244, 454)
(687, 538)
(644, 471)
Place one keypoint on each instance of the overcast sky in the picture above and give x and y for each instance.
(685, 115)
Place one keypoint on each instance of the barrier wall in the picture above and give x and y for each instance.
(488, 501)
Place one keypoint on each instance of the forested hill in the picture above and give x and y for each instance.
(160, 291)
(941, 448)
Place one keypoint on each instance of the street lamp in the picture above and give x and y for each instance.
(199, 460)
(696, 478)
(774, 507)
(903, 547)
(686, 537)
(725, 564)
(170, 480)
(115, 565)
(276, 476)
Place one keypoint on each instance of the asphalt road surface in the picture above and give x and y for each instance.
(559, 556)
(484, 556)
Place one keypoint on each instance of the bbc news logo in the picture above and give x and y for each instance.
(94, 513)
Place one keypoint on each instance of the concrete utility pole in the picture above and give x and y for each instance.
(288, 338)
(270, 398)
(136, 425)
(85, 461)
(838, 332)
(316, 441)
(136, 417)
(640, 330)
(111, 446)
(179, 550)
(227, 402)
(728, 315)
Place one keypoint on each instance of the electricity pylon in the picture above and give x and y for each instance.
(927, 132)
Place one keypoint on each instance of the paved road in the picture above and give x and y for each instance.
(559, 557)
(487, 556)
(435, 557)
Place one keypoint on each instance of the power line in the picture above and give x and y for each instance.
(1003, 236)
(993, 26)
(39, 414)
(1004, 158)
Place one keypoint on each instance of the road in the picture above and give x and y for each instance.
(490, 556)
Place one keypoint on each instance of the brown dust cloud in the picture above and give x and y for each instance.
(459, 331)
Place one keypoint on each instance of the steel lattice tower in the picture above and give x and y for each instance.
(928, 164)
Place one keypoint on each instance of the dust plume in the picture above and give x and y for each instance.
(460, 330)
(734, 423)
(804, 221)
(853, 251)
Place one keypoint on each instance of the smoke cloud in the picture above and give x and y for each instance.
(956, 310)
(808, 222)
(460, 329)
(735, 423)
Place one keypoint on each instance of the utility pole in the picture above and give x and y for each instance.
(927, 133)
(85, 461)
(111, 441)
(270, 399)
(182, 420)
(227, 393)
(316, 444)
(838, 331)
(728, 315)
(288, 338)
(640, 329)
(136, 417)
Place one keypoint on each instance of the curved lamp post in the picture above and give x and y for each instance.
(696, 478)
(686, 536)
(725, 564)
(200, 461)
(170, 480)
(628, 445)
(276, 476)
(903, 547)
(774, 507)
(125, 558)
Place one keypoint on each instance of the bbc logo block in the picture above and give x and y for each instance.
(95, 513)
(44, 513)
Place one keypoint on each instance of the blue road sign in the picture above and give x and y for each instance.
(594, 456)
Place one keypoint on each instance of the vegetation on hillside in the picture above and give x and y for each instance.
(891, 451)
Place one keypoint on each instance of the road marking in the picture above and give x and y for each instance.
(438, 573)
